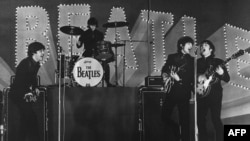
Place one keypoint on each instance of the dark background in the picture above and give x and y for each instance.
(210, 15)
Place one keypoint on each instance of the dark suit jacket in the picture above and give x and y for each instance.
(185, 63)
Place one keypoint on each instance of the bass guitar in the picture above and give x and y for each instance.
(207, 79)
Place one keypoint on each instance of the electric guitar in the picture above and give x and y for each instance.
(207, 79)
(168, 81)
(31, 96)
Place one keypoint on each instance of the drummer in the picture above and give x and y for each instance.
(89, 38)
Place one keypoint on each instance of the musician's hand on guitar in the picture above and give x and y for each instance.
(219, 70)
(33, 98)
(37, 91)
(175, 76)
(165, 76)
(28, 97)
(201, 79)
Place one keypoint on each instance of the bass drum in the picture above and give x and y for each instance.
(88, 72)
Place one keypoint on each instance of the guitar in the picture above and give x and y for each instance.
(168, 80)
(31, 96)
(207, 79)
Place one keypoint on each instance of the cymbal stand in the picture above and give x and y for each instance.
(124, 59)
(71, 46)
(59, 95)
(116, 72)
(70, 61)
(103, 77)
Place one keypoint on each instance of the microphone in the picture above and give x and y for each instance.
(196, 49)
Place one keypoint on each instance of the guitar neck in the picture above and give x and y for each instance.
(225, 62)
(211, 71)
(234, 56)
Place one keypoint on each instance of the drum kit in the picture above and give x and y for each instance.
(88, 72)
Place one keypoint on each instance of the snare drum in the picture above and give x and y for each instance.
(104, 51)
(88, 72)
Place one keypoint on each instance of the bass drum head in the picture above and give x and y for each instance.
(88, 72)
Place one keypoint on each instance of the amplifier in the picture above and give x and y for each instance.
(153, 81)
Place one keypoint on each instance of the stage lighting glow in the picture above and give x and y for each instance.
(119, 34)
(27, 30)
(71, 15)
(28, 26)
(239, 86)
(226, 46)
(160, 22)
(241, 60)
(163, 39)
(236, 45)
(184, 26)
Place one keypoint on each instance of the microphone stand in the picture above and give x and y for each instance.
(195, 96)
(59, 97)
(61, 92)
(148, 42)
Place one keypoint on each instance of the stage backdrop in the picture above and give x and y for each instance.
(149, 38)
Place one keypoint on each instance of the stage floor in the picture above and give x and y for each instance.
(97, 113)
(93, 114)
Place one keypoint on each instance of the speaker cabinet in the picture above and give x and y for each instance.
(11, 116)
(153, 127)
(93, 114)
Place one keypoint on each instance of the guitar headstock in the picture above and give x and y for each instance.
(247, 50)
(240, 53)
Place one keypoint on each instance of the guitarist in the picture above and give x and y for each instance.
(213, 100)
(179, 67)
(24, 82)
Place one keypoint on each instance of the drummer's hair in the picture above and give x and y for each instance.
(92, 21)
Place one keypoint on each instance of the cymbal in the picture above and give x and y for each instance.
(71, 30)
(117, 45)
(115, 24)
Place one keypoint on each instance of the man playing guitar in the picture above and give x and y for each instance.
(178, 76)
(207, 65)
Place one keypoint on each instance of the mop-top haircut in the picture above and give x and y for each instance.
(182, 41)
(34, 47)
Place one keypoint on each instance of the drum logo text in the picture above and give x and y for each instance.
(88, 73)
